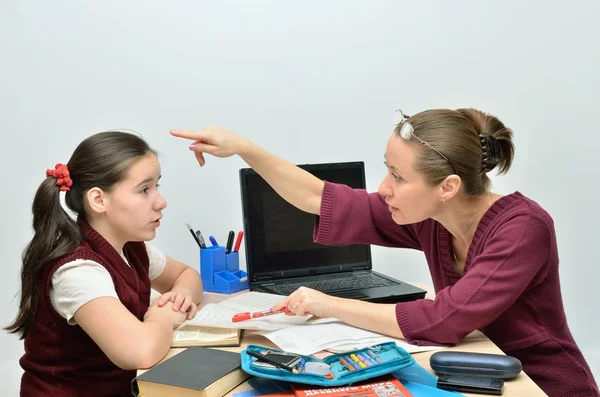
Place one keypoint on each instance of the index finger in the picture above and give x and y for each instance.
(281, 305)
(195, 135)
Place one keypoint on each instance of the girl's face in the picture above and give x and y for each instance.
(134, 206)
(410, 199)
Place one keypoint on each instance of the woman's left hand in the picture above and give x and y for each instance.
(305, 301)
(182, 302)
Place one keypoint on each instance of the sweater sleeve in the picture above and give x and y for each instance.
(353, 216)
(505, 267)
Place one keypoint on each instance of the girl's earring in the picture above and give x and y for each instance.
(103, 213)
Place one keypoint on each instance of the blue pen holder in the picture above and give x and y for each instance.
(221, 273)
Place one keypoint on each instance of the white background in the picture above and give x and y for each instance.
(313, 81)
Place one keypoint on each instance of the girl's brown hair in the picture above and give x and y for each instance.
(102, 160)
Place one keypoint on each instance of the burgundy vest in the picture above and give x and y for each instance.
(61, 360)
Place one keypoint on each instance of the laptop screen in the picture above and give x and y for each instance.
(279, 240)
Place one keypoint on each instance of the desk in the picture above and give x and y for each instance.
(522, 386)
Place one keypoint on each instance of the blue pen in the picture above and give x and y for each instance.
(197, 236)
(200, 239)
(213, 240)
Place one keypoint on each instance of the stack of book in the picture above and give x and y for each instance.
(195, 372)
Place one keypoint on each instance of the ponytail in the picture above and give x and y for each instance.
(55, 235)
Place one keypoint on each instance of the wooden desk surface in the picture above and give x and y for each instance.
(521, 386)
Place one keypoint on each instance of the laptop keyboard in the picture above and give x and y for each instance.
(352, 282)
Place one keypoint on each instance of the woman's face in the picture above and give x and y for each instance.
(410, 199)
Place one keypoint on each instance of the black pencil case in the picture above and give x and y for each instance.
(496, 366)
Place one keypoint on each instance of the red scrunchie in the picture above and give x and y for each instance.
(63, 179)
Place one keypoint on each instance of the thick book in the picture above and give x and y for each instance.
(384, 386)
(187, 335)
(195, 372)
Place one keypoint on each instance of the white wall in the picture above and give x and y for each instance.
(313, 81)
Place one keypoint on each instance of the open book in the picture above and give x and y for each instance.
(187, 335)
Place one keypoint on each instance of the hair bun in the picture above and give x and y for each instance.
(491, 149)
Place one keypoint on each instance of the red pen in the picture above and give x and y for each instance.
(238, 241)
(247, 315)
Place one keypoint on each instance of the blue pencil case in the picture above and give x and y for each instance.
(342, 369)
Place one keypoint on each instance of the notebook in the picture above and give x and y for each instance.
(281, 255)
(196, 371)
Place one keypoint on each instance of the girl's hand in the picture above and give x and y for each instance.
(182, 302)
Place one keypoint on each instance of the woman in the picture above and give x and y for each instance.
(493, 259)
(85, 283)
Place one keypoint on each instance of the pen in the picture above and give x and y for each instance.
(201, 240)
(238, 241)
(213, 240)
(229, 242)
(247, 315)
(198, 237)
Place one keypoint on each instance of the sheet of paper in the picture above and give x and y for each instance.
(253, 301)
(335, 336)
(218, 315)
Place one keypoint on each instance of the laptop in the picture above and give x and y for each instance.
(281, 255)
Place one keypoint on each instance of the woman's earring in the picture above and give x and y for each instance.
(443, 202)
(103, 213)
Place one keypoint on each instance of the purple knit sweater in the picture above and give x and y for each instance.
(510, 289)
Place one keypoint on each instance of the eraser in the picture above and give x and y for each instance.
(317, 368)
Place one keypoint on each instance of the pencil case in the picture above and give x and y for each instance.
(343, 369)
(497, 366)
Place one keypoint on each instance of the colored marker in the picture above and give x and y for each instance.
(346, 364)
(229, 241)
(213, 241)
(364, 360)
(238, 241)
(247, 315)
